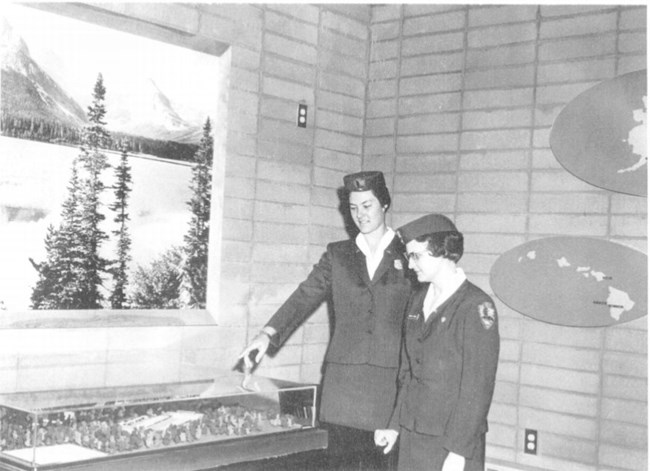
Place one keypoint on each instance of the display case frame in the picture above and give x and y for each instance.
(181, 426)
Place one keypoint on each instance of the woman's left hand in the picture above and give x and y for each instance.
(454, 462)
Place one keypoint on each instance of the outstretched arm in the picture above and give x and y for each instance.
(300, 305)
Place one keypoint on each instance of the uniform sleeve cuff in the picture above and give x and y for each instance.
(271, 333)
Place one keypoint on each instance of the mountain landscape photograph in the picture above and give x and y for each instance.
(81, 102)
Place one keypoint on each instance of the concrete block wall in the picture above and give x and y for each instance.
(280, 202)
(461, 103)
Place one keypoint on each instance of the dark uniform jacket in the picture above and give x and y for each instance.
(366, 335)
(448, 368)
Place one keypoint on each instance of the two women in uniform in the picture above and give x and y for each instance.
(449, 347)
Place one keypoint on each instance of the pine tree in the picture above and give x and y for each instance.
(45, 293)
(70, 276)
(68, 247)
(122, 189)
(94, 162)
(58, 286)
(195, 267)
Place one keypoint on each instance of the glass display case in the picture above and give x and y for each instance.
(75, 429)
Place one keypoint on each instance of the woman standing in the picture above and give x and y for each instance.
(449, 360)
(365, 280)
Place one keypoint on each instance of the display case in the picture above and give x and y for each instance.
(222, 420)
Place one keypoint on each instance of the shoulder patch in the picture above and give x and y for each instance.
(487, 314)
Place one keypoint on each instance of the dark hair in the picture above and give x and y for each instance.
(448, 244)
(380, 192)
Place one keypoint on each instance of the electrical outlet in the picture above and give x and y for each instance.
(530, 441)
(302, 116)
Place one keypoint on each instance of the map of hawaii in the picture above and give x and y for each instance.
(618, 301)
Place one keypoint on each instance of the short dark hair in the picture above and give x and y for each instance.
(382, 195)
(448, 244)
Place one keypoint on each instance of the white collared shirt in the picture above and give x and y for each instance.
(374, 259)
(435, 298)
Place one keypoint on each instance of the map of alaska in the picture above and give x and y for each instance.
(637, 138)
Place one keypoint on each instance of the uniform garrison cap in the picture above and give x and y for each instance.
(364, 181)
(429, 224)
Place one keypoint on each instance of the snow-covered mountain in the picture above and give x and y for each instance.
(27, 90)
(144, 110)
(137, 106)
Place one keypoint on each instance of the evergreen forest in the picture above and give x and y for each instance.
(48, 130)
(76, 272)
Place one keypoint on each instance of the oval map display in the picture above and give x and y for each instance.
(573, 281)
(600, 136)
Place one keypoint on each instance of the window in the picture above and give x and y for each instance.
(159, 96)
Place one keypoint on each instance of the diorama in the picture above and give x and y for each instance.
(61, 429)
